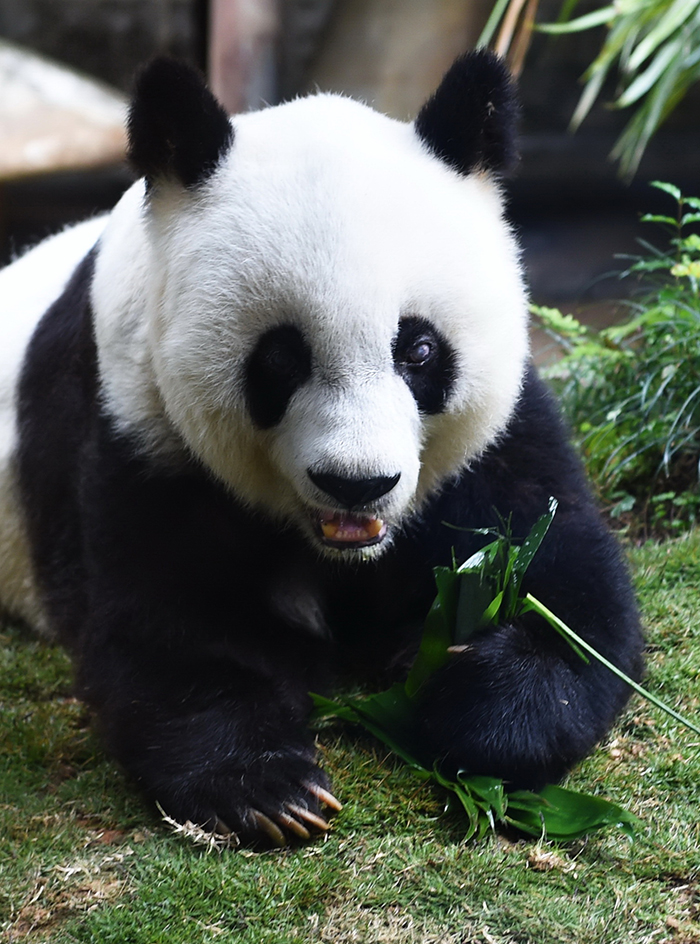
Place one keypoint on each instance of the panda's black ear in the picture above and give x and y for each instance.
(470, 121)
(177, 129)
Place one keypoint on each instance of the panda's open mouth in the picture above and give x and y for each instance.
(345, 531)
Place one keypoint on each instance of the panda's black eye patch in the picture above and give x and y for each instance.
(279, 364)
(425, 360)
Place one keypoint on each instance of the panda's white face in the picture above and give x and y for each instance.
(333, 322)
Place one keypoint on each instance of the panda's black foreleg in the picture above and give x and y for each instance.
(167, 603)
(224, 747)
(515, 704)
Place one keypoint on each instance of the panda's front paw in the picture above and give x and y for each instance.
(275, 801)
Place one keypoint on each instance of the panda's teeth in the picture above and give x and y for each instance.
(373, 526)
(351, 528)
(329, 529)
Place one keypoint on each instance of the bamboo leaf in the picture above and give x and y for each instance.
(623, 34)
(555, 812)
(437, 631)
(328, 708)
(667, 188)
(491, 613)
(564, 814)
(644, 82)
(566, 11)
(655, 46)
(675, 16)
(472, 807)
(475, 595)
(658, 218)
(588, 97)
(659, 101)
(392, 715)
(581, 23)
(388, 715)
(490, 789)
(491, 26)
(573, 637)
(532, 542)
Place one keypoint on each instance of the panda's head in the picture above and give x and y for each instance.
(334, 313)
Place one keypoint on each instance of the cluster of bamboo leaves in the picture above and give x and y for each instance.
(651, 46)
(484, 591)
(632, 391)
(654, 46)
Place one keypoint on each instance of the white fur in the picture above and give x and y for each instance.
(27, 288)
(332, 217)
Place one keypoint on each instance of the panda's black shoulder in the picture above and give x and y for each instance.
(536, 444)
(513, 480)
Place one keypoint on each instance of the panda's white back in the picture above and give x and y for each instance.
(28, 286)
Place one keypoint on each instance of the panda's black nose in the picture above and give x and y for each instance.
(353, 492)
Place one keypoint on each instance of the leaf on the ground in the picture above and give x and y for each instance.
(565, 814)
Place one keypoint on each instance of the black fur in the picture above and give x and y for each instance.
(279, 364)
(177, 129)
(470, 120)
(198, 628)
(430, 378)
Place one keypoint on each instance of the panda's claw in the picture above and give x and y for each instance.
(293, 825)
(459, 650)
(313, 819)
(271, 830)
(324, 796)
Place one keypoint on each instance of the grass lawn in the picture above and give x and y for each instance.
(82, 860)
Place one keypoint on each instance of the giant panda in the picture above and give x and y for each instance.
(247, 412)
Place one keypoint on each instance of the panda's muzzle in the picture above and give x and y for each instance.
(349, 529)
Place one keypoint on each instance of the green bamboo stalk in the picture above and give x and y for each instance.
(492, 23)
(565, 630)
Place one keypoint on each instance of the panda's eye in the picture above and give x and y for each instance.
(426, 362)
(280, 360)
(419, 354)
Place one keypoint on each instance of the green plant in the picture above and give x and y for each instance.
(654, 46)
(632, 391)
